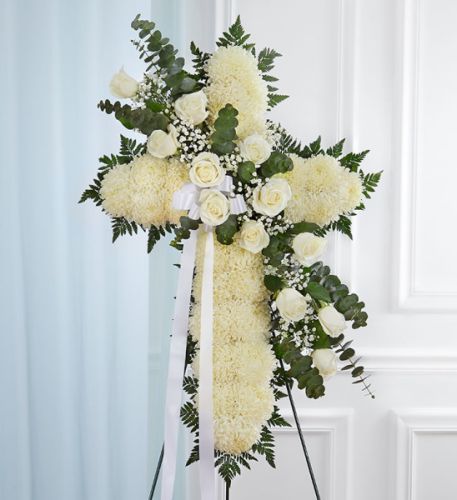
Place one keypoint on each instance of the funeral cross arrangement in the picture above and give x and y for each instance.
(249, 207)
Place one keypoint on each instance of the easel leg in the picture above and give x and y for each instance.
(302, 439)
(156, 475)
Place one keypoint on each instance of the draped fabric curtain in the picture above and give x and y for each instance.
(81, 349)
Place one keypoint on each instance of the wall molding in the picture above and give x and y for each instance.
(397, 361)
(408, 297)
(408, 426)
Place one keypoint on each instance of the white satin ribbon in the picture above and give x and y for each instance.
(176, 365)
(187, 198)
(205, 387)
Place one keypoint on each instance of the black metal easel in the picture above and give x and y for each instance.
(302, 441)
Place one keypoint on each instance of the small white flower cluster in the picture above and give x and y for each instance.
(149, 88)
(192, 140)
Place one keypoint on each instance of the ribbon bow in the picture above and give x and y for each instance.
(188, 196)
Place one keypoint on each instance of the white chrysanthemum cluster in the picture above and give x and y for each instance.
(322, 190)
(233, 77)
(243, 362)
(142, 190)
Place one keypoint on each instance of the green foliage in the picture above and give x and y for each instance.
(266, 59)
(277, 420)
(156, 232)
(273, 98)
(273, 283)
(226, 231)
(160, 54)
(276, 249)
(182, 232)
(222, 140)
(346, 353)
(337, 150)
(303, 227)
(288, 144)
(313, 149)
(318, 292)
(352, 161)
(144, 120)
(246, 171)
(346, 303)
(342, 225)
(265, 446)
(199, 60)
(122, 226)
(301, 368)
(189, 416)
(277, 163)
(370, 182)
(235, 36)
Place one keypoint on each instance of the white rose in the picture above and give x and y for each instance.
(332, 321)
(255, 148)
(123, 85)
(325, 361)
(308, 248)
(214, 207)
(271, 198)
(292, 305)
(206, 170)
(192, 107)
(161, 144)
(253, 236)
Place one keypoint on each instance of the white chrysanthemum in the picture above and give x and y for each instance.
(353, 191)
(241, 361)
(115, 191)
(142, 191)
(235, 78)
(242, 358)
(322, 190)
(237, 273)
(251, 321)
(240, 411)
(177, 176)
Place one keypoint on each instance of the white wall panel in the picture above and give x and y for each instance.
(379, 73)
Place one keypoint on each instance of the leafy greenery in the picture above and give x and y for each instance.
(199, 60)
(337, 150)
(301, 368)
(246, 171)
(370, 182)
(224, 135)
(235, 36)
(344, 302)
(352, 161)
(144, 120)
(156, 232)
(277, 163)
(226, 231)
(160, 54)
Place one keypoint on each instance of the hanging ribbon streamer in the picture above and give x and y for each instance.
(176, 365)
(205, 387)
(187, 198)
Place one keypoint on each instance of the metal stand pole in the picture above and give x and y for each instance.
(156, 475)
(227, 485)
(302, 439)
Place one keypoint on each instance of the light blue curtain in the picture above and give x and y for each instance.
(79, 339)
